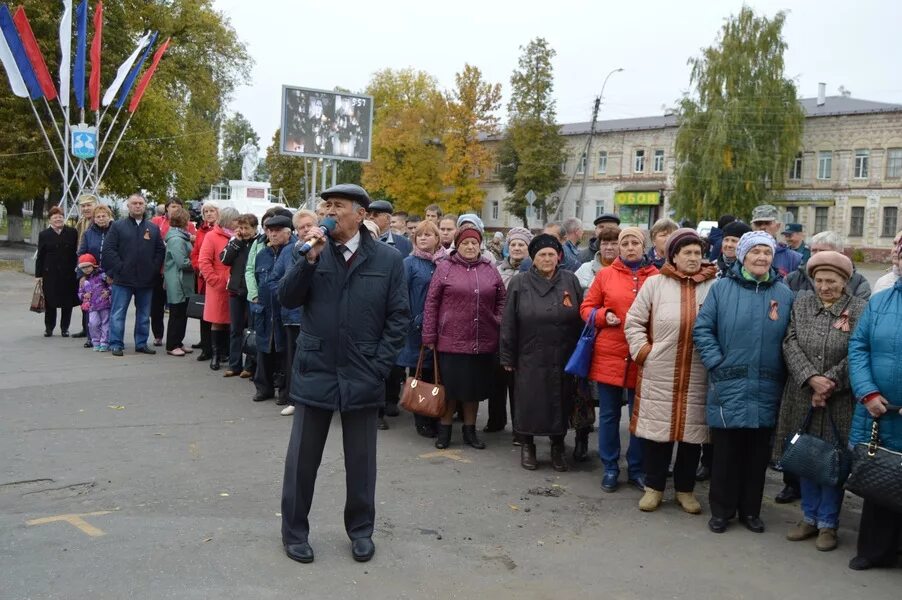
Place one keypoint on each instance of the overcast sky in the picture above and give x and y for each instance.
(855, 43)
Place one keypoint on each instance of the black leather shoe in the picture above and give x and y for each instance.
(581, 446)
(145, 350)
(381, 424)
(302, 552)
(427, 431)
(88, 344)
(117, 352)
(717, 525)
(363, 549)
(64, 333)
(282, 399)
(80, 334)
(391, 410)
(204, 356)
(787, 494)
(493, 427)
(197, 346)
(753, 524)
(48, 333)
(442, 436)
(261, 396)
(702, 473)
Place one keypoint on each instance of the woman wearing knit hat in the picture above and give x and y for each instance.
(670, 401)
(611, 295)
(461, 320)
(739, 333)
(816, 349)
(539, 331)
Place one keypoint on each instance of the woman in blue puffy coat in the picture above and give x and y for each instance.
(739, 335)
(874, 352)
(419, 267)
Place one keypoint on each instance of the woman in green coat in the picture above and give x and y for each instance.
(178, 279)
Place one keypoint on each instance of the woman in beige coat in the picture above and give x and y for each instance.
(670, 393)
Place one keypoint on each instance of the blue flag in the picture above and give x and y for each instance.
(78, 73)
(133, 74)
(18, 51)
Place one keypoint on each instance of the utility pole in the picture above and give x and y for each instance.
(588, 153)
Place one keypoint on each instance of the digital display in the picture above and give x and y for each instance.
(323, 124)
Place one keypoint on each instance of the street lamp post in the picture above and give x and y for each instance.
(595, 109)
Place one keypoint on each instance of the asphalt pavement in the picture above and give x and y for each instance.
(154, 477)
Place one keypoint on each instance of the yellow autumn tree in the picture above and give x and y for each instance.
(406, 166)
(472, 108)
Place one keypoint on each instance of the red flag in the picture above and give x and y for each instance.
(34, 54)
(145, 80)
(96, 43)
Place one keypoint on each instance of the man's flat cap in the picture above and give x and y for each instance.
(381, 206)
(348, 191)
(606, 218)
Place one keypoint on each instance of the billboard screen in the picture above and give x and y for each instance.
(323, 124)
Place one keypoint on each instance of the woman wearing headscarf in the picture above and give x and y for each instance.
(670, 400)
(739, 334)
(419, 267)
(539, 331)
(55, 267)
(462, 321)
(816, 348)
(612, 294)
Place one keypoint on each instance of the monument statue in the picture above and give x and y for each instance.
(250, 159)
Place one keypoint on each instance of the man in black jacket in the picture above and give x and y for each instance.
(133, 254)
(355, 315)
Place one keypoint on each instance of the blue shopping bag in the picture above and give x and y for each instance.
(581, 359)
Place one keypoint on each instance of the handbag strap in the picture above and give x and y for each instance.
(806, 424)
(438, 379)
(875, 437)
(590, 324)
(419, 372)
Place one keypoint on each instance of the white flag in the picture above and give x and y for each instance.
(65, 52)
(12, 69)
(123, 71)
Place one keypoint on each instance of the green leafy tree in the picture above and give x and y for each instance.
(472, 107)
(408, 124)
(742, 125)
(532, 150)
(236, 130)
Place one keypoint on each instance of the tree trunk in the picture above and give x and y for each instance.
(16, 231)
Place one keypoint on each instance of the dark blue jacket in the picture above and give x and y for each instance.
(398, 242)
(786, 260)
(874, 351)
(419, 274)
(267, 310)
(739, 336)
(715, 241)
(133, 253)
(289, 316)
(92, 241)
(353, 322)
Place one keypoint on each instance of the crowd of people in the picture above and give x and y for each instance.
(721, 349)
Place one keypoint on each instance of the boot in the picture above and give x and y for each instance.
(215, 350)
(651, 500)
(558, 462)
(469, 434)
(443, 437)
(528, 457)
(826, 540)
(581, 445)
(689, 503)
(802, 531)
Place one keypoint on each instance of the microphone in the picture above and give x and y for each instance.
(326, 226)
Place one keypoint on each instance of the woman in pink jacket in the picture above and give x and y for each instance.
(216, 276)
(462, 321)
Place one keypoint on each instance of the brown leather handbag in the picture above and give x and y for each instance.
(421, 397)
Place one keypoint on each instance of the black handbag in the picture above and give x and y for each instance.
(813, 458)
(249, 342)
(877, 472)
(195, 306)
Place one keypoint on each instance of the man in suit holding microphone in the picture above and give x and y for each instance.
(354, 318)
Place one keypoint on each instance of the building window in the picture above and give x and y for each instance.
(495, 209)
(856, 223)
(794, 212)
(795, 173)
(861, 164)
(639, 162)
(582, 164)
(599, 208)
(894, 163)
(659, 161)
(820, 218)
(824, 165)
(890, 220)
(602, 162)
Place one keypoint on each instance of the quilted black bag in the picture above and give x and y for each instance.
(877, 472)
(816, 459)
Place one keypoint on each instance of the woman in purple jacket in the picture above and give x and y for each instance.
(462, 321)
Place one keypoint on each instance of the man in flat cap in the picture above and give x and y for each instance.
(601, 221)
(380, 212)
(354, 318)
(766, 217)
(794, 234)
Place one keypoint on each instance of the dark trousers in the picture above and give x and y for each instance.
(85, 316)
(738, 472)
(291, 345)
(879, 534)
(206, 343)
(268, 374)
(305, 453)
(50, 317)
(239, 314)
(502, 389)
(792, 481)
(393, 384)
(707, 457)
(157, 306)
(178, 322)
(656, 457)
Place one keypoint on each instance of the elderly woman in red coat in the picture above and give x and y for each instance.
(216, 276)
(611, 294)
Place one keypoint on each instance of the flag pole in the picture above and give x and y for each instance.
(102, 144)
(113, 151)
(46, 137)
